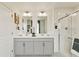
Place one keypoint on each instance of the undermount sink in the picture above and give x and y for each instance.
(30, 35)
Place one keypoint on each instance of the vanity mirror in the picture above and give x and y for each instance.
(42, 23)
(27, 24)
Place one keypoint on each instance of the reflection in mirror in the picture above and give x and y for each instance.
(27, 24)
(42, 24)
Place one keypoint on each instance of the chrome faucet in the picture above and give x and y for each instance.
(33, 34)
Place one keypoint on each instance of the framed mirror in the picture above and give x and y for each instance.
(42, 24)
(27, 24)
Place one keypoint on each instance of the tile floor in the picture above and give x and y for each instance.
(62, 55)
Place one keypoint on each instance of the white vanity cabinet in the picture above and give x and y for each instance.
(44, 48)
(23, 48)
(38, 48)
(33, 46)
(19, 48)
(48, 49)
(29, 48)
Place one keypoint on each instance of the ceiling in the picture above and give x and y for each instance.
(57, 4)
(22, 6)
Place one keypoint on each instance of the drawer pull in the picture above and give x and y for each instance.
(24, 44)
(43, 44)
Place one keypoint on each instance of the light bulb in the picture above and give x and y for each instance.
(74, 14)
(24, 14)
(27, 14)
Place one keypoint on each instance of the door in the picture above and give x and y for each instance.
(48, 48)
(29, 48)
(18, 48)
(65, 35)
(38, 48)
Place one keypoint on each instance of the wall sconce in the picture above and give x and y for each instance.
(16, 19)
(42, 13)
(14, 16)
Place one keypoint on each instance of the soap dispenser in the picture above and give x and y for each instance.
(33, 32)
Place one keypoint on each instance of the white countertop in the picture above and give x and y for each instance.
(32, 37)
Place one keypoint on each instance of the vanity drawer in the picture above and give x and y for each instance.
(33, 39)
(43, 39)
(22, 39)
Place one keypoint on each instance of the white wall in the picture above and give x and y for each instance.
(75, 23)
(65, 43)
(6, 29)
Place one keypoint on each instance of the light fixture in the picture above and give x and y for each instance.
(27, 13)
(42, 13)
(24, 14)
(74, 14)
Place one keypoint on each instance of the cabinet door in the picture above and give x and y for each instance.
(48, 48)
(29, 48)
(38, 48)
(18, 48)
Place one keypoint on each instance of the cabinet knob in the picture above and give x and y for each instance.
(43, 44)
(23, 44)
(11, 50)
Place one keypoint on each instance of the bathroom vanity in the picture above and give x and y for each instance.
(33, 46)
